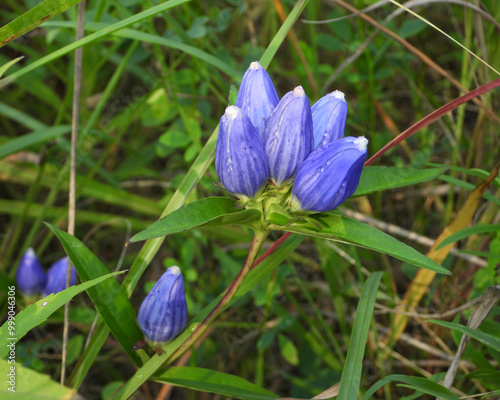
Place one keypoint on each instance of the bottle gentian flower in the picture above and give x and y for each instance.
(288, 138)
(56, 277)
(30, 276)
(329, 114)
(257, 96)
(330, 175)
(240, 160)
(163, 313)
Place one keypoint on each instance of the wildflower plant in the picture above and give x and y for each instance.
(30, 276)
(293, 177)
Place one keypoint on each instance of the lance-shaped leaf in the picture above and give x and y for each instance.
(214, 210)
(207, 380)
(109, 298)
(32, 385)
(351, 375)
(335, 226)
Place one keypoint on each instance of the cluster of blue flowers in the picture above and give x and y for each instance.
(267, 144)
(32, 279)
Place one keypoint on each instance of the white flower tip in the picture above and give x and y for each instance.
(232, 112)
(361, 143)
(30, 252)
(299, 91)
(174, 270)
(337, 94)
(254, 65)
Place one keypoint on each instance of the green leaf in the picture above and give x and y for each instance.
(207, 380)
(31, 385)
(288, 350)
(110, 298)
(37, 313)
(9, 64)
(473, 230)
(485, 338)
(376, 179)
(30, 139)
(351, 375)
(277, 215)
(216, 210)
(34, 17)
(417, 383)
(335, 226)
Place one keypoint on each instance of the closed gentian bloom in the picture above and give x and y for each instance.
(330, 175)
(56, 277)
(288, 138)
(329, 114)
(30, 276)
(163, 313)
(257, 96)
(240, 160)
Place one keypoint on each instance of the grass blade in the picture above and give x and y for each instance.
(351, 375)
(34, 17)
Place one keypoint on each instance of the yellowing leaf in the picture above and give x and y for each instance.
(424, 277)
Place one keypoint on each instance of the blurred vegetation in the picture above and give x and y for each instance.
(151, 96)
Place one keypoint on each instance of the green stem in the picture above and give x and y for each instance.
(257, 242)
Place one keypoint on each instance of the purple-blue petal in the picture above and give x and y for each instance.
(330, 175)
(329, 115)
(56, 277)
(30, 276)
(288, 138)
(240, 160)
(163, 313)
(257, 96)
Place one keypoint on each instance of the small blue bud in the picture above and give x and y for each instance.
(288, 138)
(329, 114)
(330, 175)
(257, 96)
(56, 277)
(163, 313)
(240, 160)
(30, 276)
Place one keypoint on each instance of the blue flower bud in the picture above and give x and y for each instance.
(288, 138)
(56, 277)
(163, 313)
(330, 175)
(30, 276)
(257, 96)
(329, 114)
(240, 160)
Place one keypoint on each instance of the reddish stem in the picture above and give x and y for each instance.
(433, 116)
(273, 247)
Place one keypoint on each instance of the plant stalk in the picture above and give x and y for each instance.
(258, 240)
